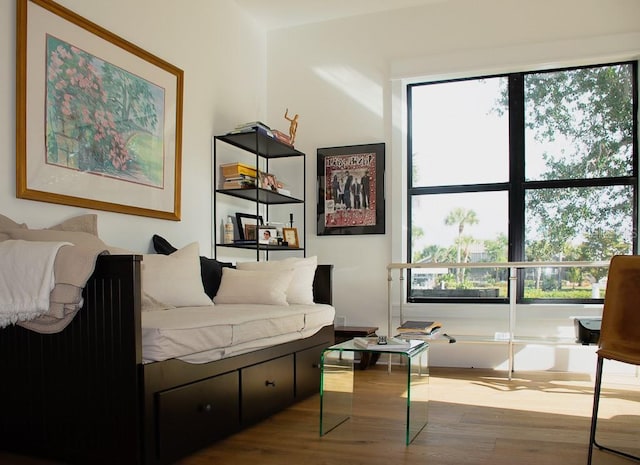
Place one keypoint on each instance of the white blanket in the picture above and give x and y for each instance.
(26, 279)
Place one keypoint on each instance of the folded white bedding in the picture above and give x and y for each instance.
(73, 265)
(26, 279)
(201, 334)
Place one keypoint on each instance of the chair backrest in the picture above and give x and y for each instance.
(620, 330)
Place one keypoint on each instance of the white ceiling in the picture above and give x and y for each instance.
(277, 14)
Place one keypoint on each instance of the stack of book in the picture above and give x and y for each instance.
(237, 176)
(253, 126)
(418, 328)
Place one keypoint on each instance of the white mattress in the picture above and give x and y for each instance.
(203, 334)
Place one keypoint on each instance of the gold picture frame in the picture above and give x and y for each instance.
(290, 236)
(75, 144)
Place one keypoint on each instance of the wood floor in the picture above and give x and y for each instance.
(475, 417)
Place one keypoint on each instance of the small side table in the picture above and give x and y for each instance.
(344, 333)
(337, 385)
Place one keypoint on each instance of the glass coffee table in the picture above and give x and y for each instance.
(337, 384)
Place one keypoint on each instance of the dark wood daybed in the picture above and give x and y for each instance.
(84, 396)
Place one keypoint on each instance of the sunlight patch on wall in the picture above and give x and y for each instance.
(355, 85)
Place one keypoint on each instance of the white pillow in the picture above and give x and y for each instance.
(175, 279)
(300, 290)
(253, 287)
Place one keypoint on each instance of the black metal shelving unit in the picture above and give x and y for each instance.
(264, 148)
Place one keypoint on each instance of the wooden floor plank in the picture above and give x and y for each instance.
(476, 417)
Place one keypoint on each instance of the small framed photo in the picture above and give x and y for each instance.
(250, 232)
(268, 235)
(290, 236)
(268, 181)
(248, 226)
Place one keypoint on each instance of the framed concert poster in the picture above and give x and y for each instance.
(351, 190)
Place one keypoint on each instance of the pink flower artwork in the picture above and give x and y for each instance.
(101, 119)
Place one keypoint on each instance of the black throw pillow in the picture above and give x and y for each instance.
(162, 245)
(210, 268)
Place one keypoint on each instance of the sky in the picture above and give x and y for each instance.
(457, 139)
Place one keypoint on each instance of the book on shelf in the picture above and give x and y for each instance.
(258, 126)
(234, 170)
(238, 182)
(238, 185)
(419, 327)
(251, 125)
(240, 177)
(393, 343)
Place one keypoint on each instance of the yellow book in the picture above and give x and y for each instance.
(232, 170)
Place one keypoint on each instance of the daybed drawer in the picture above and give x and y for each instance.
(193, 416)
(308, 372)
(266, 388)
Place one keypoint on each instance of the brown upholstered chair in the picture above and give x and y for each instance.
(620, 330)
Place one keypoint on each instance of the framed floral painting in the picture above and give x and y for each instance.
(99, 119)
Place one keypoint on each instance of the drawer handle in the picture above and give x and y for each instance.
(270, 383)
(315, 365)
(206, 408)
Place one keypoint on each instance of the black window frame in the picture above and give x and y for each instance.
(517, 185)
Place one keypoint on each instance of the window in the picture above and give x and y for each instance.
(537, 166)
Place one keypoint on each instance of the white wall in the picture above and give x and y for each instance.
(222, 54)
(345, 78)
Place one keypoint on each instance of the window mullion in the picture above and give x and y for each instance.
(516, 167)
(516, 174)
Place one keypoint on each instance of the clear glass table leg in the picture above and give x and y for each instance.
(336, 389)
